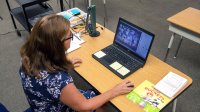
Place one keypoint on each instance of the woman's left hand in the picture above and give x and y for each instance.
(76, 62)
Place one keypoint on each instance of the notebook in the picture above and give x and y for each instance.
(129, 50)
(171, 84)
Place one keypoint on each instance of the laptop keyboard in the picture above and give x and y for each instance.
(113, 54)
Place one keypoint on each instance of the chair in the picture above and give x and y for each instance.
(28, 110)
(3, 108)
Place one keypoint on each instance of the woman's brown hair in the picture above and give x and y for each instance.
(44, 48)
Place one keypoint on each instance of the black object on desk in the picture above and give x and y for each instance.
(129, 50)
(91, 21)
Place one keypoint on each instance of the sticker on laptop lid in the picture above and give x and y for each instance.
(115, 65)
(99, 54)
(123, 71)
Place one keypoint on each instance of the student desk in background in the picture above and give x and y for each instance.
(103, 79)
(186, 24)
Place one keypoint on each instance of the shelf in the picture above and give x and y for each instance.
(27, 3)
(30, 11)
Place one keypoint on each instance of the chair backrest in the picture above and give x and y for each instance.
(28, 110)
(3, 108)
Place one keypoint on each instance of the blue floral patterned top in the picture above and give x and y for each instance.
(43, 94)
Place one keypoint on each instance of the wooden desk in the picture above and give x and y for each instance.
(103, 79)
(186, 24)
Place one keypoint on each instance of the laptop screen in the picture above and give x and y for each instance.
(133, 38)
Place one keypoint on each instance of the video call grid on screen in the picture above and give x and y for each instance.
(133, 39)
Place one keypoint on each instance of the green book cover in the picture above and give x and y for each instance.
(148, 98)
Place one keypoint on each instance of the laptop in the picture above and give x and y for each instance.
(129, 50)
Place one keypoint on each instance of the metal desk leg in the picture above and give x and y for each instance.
(61, 5)
(12, 18)
(179, 45)
(86, 4)
(89, 2)
(174, 105)
(169, 46)
(71, 4)
(26, 19)
(105, 11)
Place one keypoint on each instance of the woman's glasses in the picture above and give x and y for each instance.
(68, 37)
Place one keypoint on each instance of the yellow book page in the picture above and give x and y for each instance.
(147, 91)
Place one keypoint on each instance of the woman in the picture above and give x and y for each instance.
(44, 71)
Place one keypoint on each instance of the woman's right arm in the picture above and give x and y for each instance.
(71, 96)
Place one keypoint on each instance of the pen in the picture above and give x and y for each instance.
(77, 37)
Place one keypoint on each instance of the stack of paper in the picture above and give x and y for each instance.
(171, 84)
